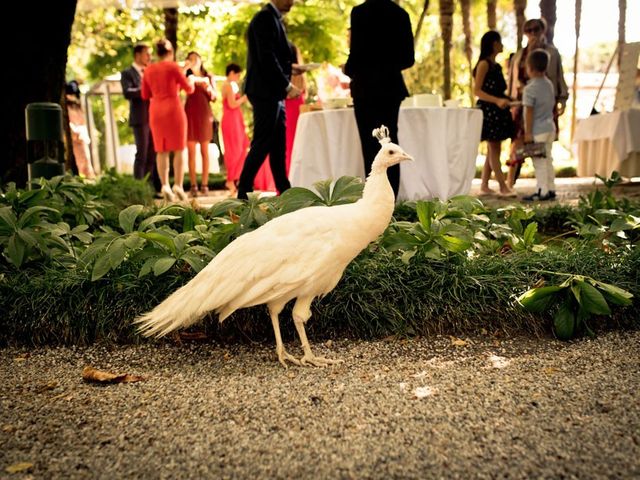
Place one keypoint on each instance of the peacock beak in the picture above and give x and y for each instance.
(405, 157)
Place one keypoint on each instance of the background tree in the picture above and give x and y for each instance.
(548, 12)
(40, 66)
(519, 6)
(446, 27)
(491, 14)
(171, 26)
(418, 29)
(465, 6)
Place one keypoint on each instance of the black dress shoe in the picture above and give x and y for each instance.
(538, 197)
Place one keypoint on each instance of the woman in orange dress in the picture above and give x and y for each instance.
(199, 120)
(161, 84)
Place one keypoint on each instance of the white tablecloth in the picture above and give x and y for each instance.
(608, 142)
(443, 141)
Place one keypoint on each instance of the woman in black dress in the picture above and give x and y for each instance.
(497, 125)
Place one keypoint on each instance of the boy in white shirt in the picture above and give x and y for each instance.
(538, 99)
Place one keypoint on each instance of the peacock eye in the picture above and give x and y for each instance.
(392, 152)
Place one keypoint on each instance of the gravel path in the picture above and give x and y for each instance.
(420, 408)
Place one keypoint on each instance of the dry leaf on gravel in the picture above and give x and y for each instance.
(90, 374)
(19, 467)
(193, 336)
(458, 342)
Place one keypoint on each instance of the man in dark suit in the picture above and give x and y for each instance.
(267, 84)
(131, 81)
(381, 46)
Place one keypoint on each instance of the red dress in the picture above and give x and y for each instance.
(199, 115)
(236, 145)
(161, 84)
(292, 108)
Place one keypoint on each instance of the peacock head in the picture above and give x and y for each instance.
(390, 153)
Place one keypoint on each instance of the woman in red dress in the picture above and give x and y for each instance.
(199, 120)
(234, 135)
(161, 84)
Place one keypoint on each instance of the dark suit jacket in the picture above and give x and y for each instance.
(269, 56)
(381, 47)
(138, 108)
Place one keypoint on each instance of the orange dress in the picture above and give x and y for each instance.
(161, 83)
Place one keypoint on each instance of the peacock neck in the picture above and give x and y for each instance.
(378, 194)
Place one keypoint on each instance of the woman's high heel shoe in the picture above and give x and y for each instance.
(167, 194)
(179, 192)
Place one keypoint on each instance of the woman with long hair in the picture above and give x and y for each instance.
(161, 84)
(497, 125)
(199, 120)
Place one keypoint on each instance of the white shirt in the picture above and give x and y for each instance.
(138, 68)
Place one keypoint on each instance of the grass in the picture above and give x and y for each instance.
(378, 296)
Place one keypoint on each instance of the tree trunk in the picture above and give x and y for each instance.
(465, 6)
(491, 14)
(622, 7)
(519, 7)
(574, 87)
(423, 14)
(446, 27)
(41, 64)
(171, 27)
(548, 12)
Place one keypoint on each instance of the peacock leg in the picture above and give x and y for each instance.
(302, 313)
(283, 355)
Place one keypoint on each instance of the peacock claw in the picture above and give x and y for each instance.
(283, 356)
(318, 361)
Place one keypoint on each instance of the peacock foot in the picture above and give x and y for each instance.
(285, 356)
(311, 359)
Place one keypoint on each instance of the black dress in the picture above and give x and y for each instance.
(497, 123)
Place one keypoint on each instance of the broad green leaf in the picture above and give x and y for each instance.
(408, 255)
(8, 217)
(32, 214)
(202, 250)
(27, 237)
(182, 239)
(592, 300)
(160, 238)
(117, 252)
(425, 212)
(147, 267)
(431, 251)
(162, 265)
(194, 261)
(614, 294)
(346, 190)
(101, 267)
(133, 242)
(127, 217)
(454, 244)
(323, 187)
(400, 240)
(84, 237)
(620, 224)
(151, 221)
(564, 323)
(530, 233)
(229, 205)
(538, 299)
(15, 250)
